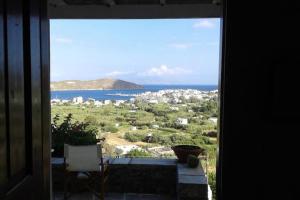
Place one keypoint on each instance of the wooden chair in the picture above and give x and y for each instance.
(85, 165)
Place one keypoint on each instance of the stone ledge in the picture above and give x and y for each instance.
(192, 184)
(148, 175)
(183, 169)
(195, 180)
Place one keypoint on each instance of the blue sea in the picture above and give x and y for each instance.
(123, 94)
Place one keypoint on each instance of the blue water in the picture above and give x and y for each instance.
(114, 94)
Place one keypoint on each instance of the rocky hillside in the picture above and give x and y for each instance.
(99, 84)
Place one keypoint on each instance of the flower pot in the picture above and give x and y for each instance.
(182, 151)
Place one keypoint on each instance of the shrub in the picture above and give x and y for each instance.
(211, 134)
(168, 130)
(138, 153)
(160, 139)
(91, 120)
(111, 129)
(180, 139)
(73, 133)
(134, 137)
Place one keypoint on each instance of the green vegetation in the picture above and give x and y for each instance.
(212, 183)
(73, 133)
(138, 153)
(146, 124)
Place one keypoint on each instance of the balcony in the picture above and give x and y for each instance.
(143, 178)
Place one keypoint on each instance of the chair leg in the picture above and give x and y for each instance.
(102, 191)
(66, 185)
(65, 190)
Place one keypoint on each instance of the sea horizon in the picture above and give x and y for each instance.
(124, 94)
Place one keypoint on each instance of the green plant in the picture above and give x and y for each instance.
(134, 137)
(110, 128)
(192, 161)
(91, 120)
(73, 133)
(138, 153)
(212, 183)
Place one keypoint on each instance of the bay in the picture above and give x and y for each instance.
(123, 94)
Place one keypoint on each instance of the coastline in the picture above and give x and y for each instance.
(54, 90)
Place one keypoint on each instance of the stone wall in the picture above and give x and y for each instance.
(148, 176)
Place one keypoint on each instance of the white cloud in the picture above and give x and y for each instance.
(62, 40)
(116, 73)
(164, 70)
(204, 23)
(181, 45)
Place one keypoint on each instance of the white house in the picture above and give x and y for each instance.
(118, 102)
(125, 149)
(213, 119)
(98, 103)
(78, 100)
(133, 128)
(153, 101)
(182, 121)
(65, 101)
(106, 102)
(174, 108)
(155, 126)
(54, 101)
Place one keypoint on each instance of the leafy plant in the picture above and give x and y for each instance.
(73, 133)
(138, 153)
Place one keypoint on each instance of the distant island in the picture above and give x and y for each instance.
(99, 84)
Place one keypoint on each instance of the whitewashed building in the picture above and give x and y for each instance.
(106, 102)
(182, 121)
(213, 119)
(77, 100)
(125, 149)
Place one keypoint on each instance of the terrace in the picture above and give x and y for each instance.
(143, 178)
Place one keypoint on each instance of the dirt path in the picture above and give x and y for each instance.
(115, 139)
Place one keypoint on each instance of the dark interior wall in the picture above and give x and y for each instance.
(260, 111)
(24, 100)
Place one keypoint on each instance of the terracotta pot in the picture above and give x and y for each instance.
(182, 151)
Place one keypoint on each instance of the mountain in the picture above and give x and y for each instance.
(99, 84)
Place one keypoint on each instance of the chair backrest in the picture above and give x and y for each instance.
(82, 158)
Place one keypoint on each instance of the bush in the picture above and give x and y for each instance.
(91, 120)
(211, 134)
(170, 130)
(160, 139)
(71, 133)
(134, 137)
(111, 129)
(138, 153)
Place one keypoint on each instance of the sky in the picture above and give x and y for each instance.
(152, 51)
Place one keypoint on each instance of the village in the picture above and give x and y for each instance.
(150, 122)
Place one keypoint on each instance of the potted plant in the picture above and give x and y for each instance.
(183, 151)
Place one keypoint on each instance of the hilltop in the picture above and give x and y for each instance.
(99, 84)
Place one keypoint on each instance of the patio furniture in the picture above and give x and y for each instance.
(85, 165)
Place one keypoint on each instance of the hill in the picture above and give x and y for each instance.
(99, 84)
